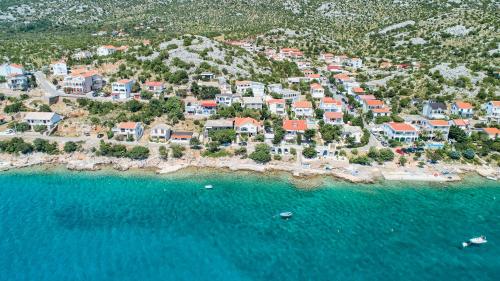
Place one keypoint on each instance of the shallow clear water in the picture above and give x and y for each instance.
(60, 225)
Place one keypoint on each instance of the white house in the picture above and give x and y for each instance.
(437, 129)
(156, 87)
(11, 69)
(462, 109)
(303, 109)
(333, 118)
(81, 55)
(106, 50)
(59, 68)
(160, 132)
(257, 88)
(329, 104)
(493, 111)
(434, 110)
(275, 88)
(181, 137)
(82, 82)
(247, 125)
(402, 132)
(133, 130)
(252, 103)
(47, 119)
(383, 111)
(290, 95)
(369, 105)
(463, 124)
(356, 62)
(201, 108)
(277, 106)
(122, 89)
(317, 91)
(17, 82)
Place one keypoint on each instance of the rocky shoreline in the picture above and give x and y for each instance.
(342, 170)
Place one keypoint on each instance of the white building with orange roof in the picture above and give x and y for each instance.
(293, 128)
(7, 69)
(106, 50)
(372, 104)
(493, 133)
(381, 112)
(247, 125)
(122, 89)
(333, 118)
(463, 124)
(493, 111)
(356, 90)
(303, 109)
(326, 57)
(462, 109)
(127, 130)
(59, 68)
(314, 77)
(317, 91)
(277, 106)
(402, 132)
(437, 127)
(328, 104)
(156, 87)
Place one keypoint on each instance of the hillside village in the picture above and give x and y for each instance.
(194, 97)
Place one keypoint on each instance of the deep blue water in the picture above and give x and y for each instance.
(60, 225)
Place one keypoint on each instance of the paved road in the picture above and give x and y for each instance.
(46, 85)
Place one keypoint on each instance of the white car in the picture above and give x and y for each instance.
(8, 132)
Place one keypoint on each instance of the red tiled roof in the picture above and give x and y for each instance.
(342, 76)
(334, 115)
(127, 125)
(295, 125)
(16, 65)
(463, 105)
(208, 103)
(123, 81)
(495, 103)
(302, 104)
(401, 127)
(314, 76)
(242, 121)
(333, 67)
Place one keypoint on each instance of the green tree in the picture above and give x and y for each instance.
(177, 150)
(70, 147)
(138, 153)
(261, 154)
(309, 152)
(163, 152)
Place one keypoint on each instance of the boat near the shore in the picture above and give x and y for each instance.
(475, 241)
(209, 186)
(492, 178)
(286, 215)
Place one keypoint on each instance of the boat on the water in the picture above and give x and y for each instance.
(209, 186)
(475, 241)
(492, 178)
(286, 215)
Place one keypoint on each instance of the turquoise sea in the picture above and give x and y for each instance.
(61, 225)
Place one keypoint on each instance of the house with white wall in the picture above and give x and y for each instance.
(8, 69)
(303, 109)
(436, 128)
(317, 91)
(493, 111)
(402, 132)
(334, 118)
(127, 130)
(122, 89)
(462, 109)
(277, 106)
(59, 68)
(329, 104)
(47, 119)
(82, 82)
(247, 126)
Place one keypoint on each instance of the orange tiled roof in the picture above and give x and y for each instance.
(208, 103)
(127, 125)
(495, 103)
(491, 131)
(302, 104)
(276, 101)
(374, 102)
(461, 122)
(463, 105)
(154, 83)
(316, 86)
(367, 97)
(295, 125)
(381, 110)
(334, 115)
(439, 123)
(358, 90)
(401, 127)
(331, 100)
(242, 121)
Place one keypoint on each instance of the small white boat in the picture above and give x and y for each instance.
(492, 178)
(286, 215)
(475, 241)
(209, 186)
